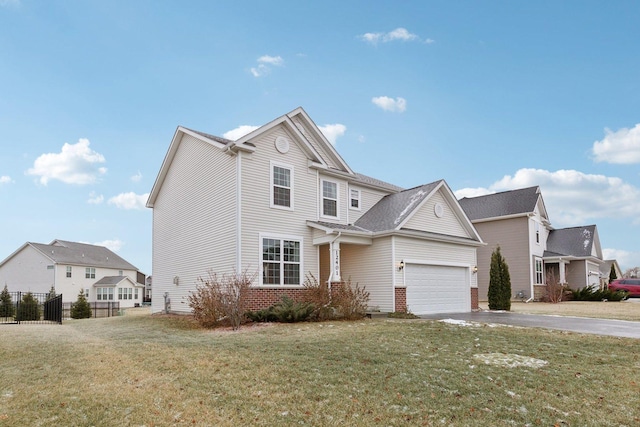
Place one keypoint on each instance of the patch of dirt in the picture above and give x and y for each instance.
(510, 360)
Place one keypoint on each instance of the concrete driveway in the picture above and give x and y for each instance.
(583, 325)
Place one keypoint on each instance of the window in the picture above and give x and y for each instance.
(120, 273)
(104, 294)
(354, 199)
(90, 273)
(539, 277)
(537, 232)
(135, 294)
(68, 271)
(281, 185)
(86, 293)
(329, 198)
(281, 261)
(125, 293)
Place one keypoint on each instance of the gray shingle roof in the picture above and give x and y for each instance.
(64, 252)
(344, 227)
(373, 181)
(110, 280)
(574, 241)
(501, 204)
(213, 137)
(393, 209)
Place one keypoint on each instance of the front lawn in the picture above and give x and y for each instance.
(162, 371)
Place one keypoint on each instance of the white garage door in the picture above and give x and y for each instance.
(437, 289)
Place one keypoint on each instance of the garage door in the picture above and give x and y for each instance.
(437, 289)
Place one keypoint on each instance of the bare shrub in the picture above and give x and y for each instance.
(350, 301)
(555, 290)
(318, 294)
(223, 300)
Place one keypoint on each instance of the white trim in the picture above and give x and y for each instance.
(273, 164)
(337, 199)
(239, 213)
(280, 237)
(441, 263)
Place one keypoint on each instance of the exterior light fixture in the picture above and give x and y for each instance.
(475, 269)
(401, 266)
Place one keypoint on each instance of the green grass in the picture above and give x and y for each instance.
(162, 371)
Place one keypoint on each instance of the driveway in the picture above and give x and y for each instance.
(583, 325)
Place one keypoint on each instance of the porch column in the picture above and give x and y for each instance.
(335, 262)
(562, 268)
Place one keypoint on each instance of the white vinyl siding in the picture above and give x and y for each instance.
(256, 220)
(194, 221)
(27, 271)
(368, 198)
(426, 220)
(318, 147)
(371, 266)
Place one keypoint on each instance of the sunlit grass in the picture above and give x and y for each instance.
(161, 371)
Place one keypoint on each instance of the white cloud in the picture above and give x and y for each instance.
(389, 104)
(137, 177)
(239, 132)
(333, 132)
(5, 179)
(115, 245)
(621, 146)
(265, 63)
(95, 199)
(129, 200)
(75, 164)
(572, 197)
(399, 34)
(625, 259)
(472, 192)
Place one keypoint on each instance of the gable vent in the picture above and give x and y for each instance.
(282, 144)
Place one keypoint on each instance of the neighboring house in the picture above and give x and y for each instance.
(282, 203)
(605, 271)
(574, 256)
(147, 289)
(72, 267)
(518, 222)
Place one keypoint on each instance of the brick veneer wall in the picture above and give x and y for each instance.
(401, 300)
(260, 298)
(474, 299)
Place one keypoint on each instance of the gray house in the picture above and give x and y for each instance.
(518, 222)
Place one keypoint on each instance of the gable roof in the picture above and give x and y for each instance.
(115, 280)
(65, 252)
(506, 203)
(392, 210)
(573, 241)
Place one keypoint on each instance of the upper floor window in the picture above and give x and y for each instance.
(281, 186)
(537, 225)
(68, 271)
(120, 273)
(354, 199)
(90, 273)
(329, 198)
(281, 261)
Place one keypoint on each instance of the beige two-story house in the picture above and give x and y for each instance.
(281, 202)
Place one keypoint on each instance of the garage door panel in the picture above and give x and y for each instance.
(437, 289)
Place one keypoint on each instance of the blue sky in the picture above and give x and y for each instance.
(490, 96)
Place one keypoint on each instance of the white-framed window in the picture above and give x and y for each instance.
(329, 198)
(69, 270)
(90, 273)
(120, 273)
(281, 186)
(125, 293)
(281, 260)
(86, 293)
(539, 271)
(135, 293)
(537, 228)
(104, 294)
(354, 199)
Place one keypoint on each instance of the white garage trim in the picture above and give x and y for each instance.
(437, 287)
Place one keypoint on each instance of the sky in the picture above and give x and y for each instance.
(487, 95)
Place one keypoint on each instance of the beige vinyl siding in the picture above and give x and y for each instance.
(368, 198)
(27, 271)
(436, 253)
(426, 220)
(513, 237)
(371, 266)
(318, 147)
(257, 215)
(193, 221)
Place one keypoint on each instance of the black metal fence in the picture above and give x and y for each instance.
(29, 307)
(98, 309)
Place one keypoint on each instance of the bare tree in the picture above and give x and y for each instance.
(632, 273)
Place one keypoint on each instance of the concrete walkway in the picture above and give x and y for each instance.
(583, 325)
